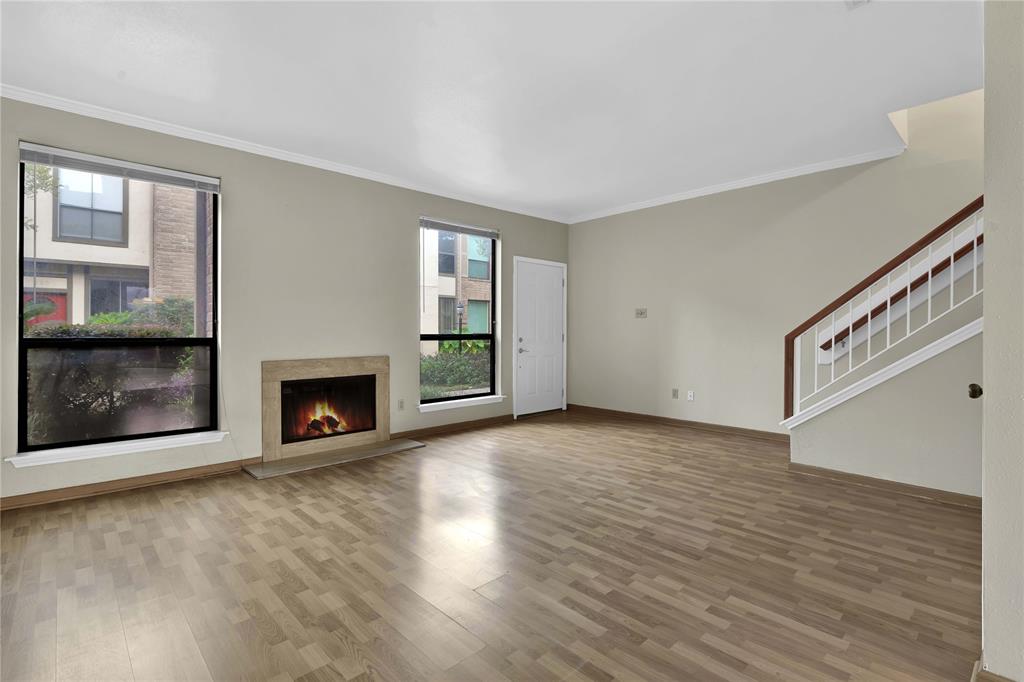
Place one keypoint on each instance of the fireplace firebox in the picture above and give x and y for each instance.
(327, 407)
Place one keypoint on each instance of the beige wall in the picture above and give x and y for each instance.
(1003, 459)
(919, 427)
(313, 264)
(725, 277)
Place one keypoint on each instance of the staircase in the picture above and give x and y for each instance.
(922, 303)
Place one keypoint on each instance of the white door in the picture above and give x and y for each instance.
(539, 329)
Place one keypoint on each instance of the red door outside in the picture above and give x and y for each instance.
(60, 310)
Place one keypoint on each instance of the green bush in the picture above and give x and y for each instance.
(167, 318)
(471, 347)
(178, 313)
(112, 318)
(60, 330)
(454, 369)
(38, 309)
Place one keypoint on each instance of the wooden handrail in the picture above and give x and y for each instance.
(861, 286)
(918, 281)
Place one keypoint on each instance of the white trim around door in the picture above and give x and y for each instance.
(516, 261)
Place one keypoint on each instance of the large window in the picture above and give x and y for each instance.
(458, 315)
(118, 319)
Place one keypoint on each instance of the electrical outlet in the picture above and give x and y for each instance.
(675, 394)
(689, 395)
(401, 403)
(641, 313)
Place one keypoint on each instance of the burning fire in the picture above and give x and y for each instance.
(324, 420)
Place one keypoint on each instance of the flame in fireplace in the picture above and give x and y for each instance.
(324, 419)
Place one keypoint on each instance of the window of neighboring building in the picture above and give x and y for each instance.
(91, 207)
(479, 252)
(446, 322)
(457, 312)
(479, 317)
(115, 295)
(446, 242)
(115, 344)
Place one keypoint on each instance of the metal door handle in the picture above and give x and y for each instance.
(522, 350)
(974, 391)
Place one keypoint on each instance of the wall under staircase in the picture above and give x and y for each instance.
(919, 427)
(877, 381)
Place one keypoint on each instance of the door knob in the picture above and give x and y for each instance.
(974, 391)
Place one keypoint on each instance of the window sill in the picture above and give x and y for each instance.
(464, 402)
(59, 455)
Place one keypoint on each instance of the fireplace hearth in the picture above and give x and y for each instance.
(327, 407)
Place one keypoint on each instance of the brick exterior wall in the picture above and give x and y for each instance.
(173, 273)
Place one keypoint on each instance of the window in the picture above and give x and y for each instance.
(91, 207)
(446, 253)
(479, 320)
(457, 311)
(115, 295)
(479, 253)
(446, 315)
(115, 343)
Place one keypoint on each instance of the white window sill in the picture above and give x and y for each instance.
(124, 447)
(464, 402)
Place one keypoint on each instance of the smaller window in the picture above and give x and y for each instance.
(446, 253)
(479, 317)
(114, 295)
(90, 208)
(479, 257)
(446, 323)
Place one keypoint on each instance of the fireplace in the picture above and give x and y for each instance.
(324, 408)
(323, 405)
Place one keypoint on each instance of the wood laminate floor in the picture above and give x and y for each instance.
(562, 547)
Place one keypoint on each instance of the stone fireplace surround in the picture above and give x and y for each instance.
(276, 371)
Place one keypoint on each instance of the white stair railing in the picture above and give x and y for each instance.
(931, 278)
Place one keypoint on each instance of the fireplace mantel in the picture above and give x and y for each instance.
(276, 371)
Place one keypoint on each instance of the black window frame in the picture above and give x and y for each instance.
(27, 344)
(491, 336)
(57, 217)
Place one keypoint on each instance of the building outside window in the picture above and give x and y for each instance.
(90, 207)
(457, 312)
(118, 294)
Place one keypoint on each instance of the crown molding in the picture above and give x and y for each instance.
(783, 174)
(114, 116)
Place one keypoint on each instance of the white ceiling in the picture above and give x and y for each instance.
(560, 110)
